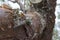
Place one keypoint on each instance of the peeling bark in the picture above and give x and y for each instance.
(20, 33)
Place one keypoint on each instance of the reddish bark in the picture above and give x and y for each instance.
(19, 33)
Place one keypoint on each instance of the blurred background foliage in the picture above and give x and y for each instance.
(56, 31)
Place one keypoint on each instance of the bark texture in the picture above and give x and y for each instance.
(47, 34)
(20, 33)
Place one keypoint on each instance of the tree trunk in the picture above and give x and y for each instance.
(47, 33)
(19, 33)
